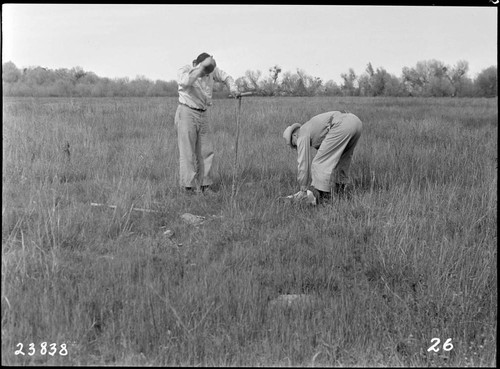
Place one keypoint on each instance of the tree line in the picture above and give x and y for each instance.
(431, 78)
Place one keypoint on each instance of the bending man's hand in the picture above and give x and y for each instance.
(299, 196)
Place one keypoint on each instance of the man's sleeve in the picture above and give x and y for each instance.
(303, 161)
(183, 76)
(221, 76)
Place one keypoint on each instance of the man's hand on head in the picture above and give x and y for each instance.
(208, 65)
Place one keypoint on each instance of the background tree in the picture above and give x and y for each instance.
(438, 82)
(243, 84)
(412, 82)
(380, 80)
(332, 88)
(365, 81)
(457, 76)
(348, 87)
(393, 86)
(289, 83)
(10, 73)
(269, 86)
(275, 71)
(253, 79)
(487, 82)
(379, 83)
(309, 85)
(140, 86)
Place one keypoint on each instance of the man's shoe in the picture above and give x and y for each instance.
(321, 196)
(188, 190)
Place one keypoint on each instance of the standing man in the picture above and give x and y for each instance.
(335, 135)
(196, 152)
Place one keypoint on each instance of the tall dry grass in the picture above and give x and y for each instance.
(411, 257)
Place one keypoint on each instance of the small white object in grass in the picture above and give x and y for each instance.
(169, 233)
(293, 300)
(308, 197)
(192, 219)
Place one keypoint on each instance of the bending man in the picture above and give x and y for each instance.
(335, 135)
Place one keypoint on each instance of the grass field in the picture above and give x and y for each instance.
(409, 258)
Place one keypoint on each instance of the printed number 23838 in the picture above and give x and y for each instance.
(45, 349)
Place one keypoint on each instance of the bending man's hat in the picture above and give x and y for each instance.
(287, 134)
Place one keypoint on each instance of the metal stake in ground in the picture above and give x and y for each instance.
(235, 166)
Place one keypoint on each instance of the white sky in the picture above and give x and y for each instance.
(325, 41)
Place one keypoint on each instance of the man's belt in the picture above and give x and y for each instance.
(190, 107)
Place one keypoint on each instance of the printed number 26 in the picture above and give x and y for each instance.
(447, 346)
